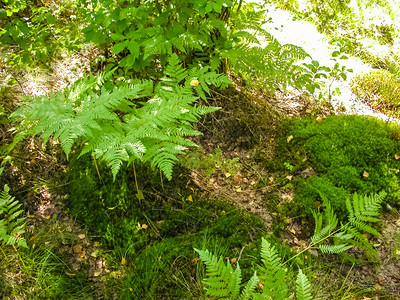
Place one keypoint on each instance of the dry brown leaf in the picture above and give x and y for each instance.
(290, 177)
(194, 82)
(77, 249)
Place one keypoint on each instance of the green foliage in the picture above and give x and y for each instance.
(303, 287)
(11, 224)
(348, 153)
(202, 33)
(225, 282)
(142, 32)
(45, 270)
(114, 124)
(361, 211)
(380, 89)
(31, 32)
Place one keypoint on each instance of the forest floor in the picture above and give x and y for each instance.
(247, 118)
(245, 131)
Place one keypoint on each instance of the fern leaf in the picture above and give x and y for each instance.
(362, 242)
(222, 281)
(274, 275)
(12, 228)
(303, 287)
(364, 209)
(249, 288)
(331, 222)
(334, 249)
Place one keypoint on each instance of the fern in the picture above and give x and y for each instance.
(111, 121)
(224, 282)
(11, 224)
(274, 274)
(364, 209)
(360, 211)
(303, 287)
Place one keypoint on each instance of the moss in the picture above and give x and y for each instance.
(348, 153)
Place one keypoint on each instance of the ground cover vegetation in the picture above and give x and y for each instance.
(99, 200)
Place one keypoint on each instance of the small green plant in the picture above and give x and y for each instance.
(288, 166)
(11, 224)
(31, 31)
(225, 282)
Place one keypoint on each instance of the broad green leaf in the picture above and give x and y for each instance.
(117, 48)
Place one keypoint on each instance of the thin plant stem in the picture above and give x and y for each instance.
(162, 183)
(137, 187)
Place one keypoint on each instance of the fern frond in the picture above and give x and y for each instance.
(364, 209)
(249, 288)
(222, 281)
(362, 242)
(11, 225)
(334, 249)
(303, 287)
(273, 273)
(328, 218)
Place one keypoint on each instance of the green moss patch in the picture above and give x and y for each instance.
(348, 154)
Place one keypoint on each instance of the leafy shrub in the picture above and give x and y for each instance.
(380, 89)
(32, 32)
(143, 35)
(349, 154)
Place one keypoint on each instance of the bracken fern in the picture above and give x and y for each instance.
(113, 120)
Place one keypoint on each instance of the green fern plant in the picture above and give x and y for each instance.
(113, 120)
(362, 210)
(225, 282)
(11, 224)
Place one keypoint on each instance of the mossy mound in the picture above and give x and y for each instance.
(348, 154)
